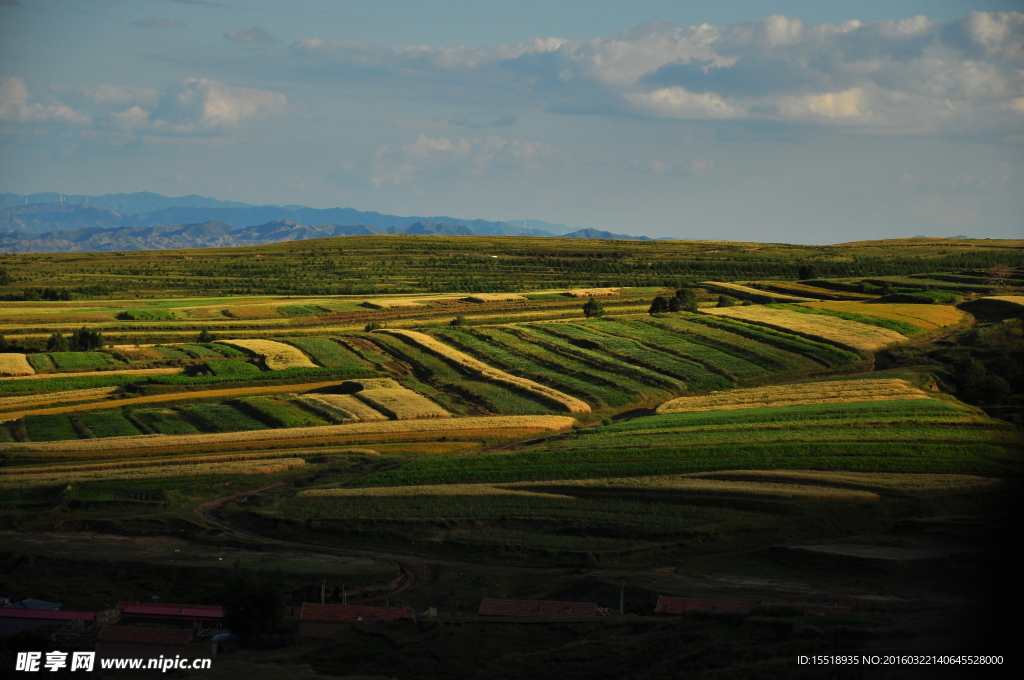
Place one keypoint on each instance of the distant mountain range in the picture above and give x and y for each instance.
(145, 221)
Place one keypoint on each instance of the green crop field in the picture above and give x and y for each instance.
(720, 458)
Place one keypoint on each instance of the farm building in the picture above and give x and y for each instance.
(15, 619)
(132, 641)
(491, 606)
(321, 620)
(678, 605)
(178, 615)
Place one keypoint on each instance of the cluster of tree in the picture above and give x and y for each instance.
(593, 309)
(685, 300)
(33, 294)
(206, 336)
(82, 340)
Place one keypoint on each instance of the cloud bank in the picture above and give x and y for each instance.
(913, 75)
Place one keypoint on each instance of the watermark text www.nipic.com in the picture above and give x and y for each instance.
(32, 662)
(900, 660)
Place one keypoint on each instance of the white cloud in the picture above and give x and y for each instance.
(201, 104)
(253, 35)
(16, 106)
(908, 75)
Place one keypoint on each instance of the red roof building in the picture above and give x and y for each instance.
(321, 620)
(491, 606)
(678, 605)
(182, 615)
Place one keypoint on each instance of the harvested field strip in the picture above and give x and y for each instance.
(771, 358)
(483, 344)
(127, 371)
(592, 292)
(900, 483)
(222, 418)
(1011, 299)
(513, 341)
(801, 289)
(178, 396)
(347, 407)
(402, 404)
(833, 391)
(255, 467)
(14, 365)
(109, 424)
(572, 404)
(747, 291)
(848, 334)
(184, 460)
(496, 297)
(276, 355)
(639, 462)
(824, 353)
(547, 336)
(434, 490)
(548, 423)
(57, 397)
(628, 350)
(926, 317)
(680, 345)
(899, 326)
(329, 353)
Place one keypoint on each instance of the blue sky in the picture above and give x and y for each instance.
(791, 121)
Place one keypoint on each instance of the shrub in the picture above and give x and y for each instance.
(593, 309)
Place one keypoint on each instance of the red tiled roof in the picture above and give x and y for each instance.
(496, 607)
(152, 636)
(678, 605)
(349, 613)
(187, 610)
(48, 614)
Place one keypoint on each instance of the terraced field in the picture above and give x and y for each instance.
(848, 334)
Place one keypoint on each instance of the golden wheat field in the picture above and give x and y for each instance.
(185, 460)
(15, 365)
(495, 297)
(592, 292)
(402, 404)
(346, 407)
(927, 317)
(57, 397)
(849, 334)
(276, 355)
(159, 398)
(251, 467)
(571, 404)
(1012, 299)
(904, 482)
(737, 288)
(397, 303)
(825, 392)
(125, 371)
(553, 423)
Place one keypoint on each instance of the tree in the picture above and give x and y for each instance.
(84, 340)
(57, 343)
(593, 309)
(808, 271)
(727, 301)
(658, 306)
(674, 305)
(687, 299)
(888, 289)
(999, 273)
(373, 326)
(253, 602)
(3, 343)
(5, 278)
(458, 322)
(206, 336)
